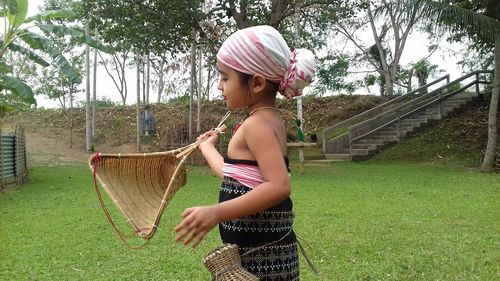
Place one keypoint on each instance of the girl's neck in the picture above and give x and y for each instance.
(261, 105)
(263, 108)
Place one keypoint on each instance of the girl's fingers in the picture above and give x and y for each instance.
(198, 238)
(185, 222)
(187, 212)
(190, 237)
(181, 235)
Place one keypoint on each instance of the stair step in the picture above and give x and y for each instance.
(357, 151)
(459, 99)
(378, 142)
(321, 161)
(369, 146)
(385, 138)
(338, 156)
(413, 120)
(364, 148)
(402, 126)
(386, 133)
(424, 115)
(406, 126)
(371, 141)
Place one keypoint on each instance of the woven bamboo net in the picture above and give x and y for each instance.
(141, 185)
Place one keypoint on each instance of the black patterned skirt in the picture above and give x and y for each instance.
(267, 243)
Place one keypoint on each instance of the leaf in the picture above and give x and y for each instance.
(29, 53)
(75, 33)
(53, 14)
(6, 108)
(18, 9)
(17, 88)
(42, 43)
(4, 67)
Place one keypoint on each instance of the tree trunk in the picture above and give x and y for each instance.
(88, 131)
(207, 90)
(94, 88)
(143, 79)
(192, 81)
(409, 87)
(239, 17)
(198, 93)
(71, 116)
(148, 74)
(161, 83)
(123, 82)
(489, 155)
(138, 105)
(389, 85)
(299, 99)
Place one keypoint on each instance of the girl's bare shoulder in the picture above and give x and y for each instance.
(261, 123)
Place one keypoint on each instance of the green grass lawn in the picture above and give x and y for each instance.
(368, 221)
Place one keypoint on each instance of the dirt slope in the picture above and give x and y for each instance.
(47, 131)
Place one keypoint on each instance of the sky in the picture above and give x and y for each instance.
(415, 49)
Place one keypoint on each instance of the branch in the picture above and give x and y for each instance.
(107, 70)
(344, 32)
(385, 67)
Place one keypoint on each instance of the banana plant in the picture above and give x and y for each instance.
(18, 27)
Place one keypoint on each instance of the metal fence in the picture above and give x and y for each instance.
(13, 170)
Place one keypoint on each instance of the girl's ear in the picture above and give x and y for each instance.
(258, 83)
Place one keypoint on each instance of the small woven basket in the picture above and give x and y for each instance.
(224, 262)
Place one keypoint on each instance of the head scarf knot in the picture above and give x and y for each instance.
(262, 50)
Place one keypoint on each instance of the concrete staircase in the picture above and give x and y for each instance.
(365, 147)
(365, 135)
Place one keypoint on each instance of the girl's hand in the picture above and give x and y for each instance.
(210, 137)
(196, 223)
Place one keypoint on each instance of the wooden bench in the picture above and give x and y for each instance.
(301, 146)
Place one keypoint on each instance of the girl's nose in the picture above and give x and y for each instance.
(219, 85)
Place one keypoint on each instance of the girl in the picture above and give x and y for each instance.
(254, 209)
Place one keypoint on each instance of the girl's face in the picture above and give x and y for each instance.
(231, 86)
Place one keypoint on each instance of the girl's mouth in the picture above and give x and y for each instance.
(224, 97)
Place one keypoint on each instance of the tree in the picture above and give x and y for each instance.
(332, 75)
(23, 69)
(422, 70)
(395, 24)
(148, 27)
(119, 57)
(483, 28)
(18, 29)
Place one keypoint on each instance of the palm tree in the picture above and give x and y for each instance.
(17, 27)
(452, 18)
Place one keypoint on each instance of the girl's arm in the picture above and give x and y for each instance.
(264, 145)
(213, 157)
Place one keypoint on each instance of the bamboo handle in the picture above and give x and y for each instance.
(195, 145)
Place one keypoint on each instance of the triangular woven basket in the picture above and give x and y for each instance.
(141, 185)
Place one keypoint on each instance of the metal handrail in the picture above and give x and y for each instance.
(353, 119)
(475, 82)
(437, 92)
(411, 103)
(433, 93)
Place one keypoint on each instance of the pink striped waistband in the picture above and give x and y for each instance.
(248, 175)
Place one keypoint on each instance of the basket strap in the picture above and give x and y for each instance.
(108, 215)
(302, 250)
(306, 257)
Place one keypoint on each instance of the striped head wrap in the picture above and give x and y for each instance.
(262, 50)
